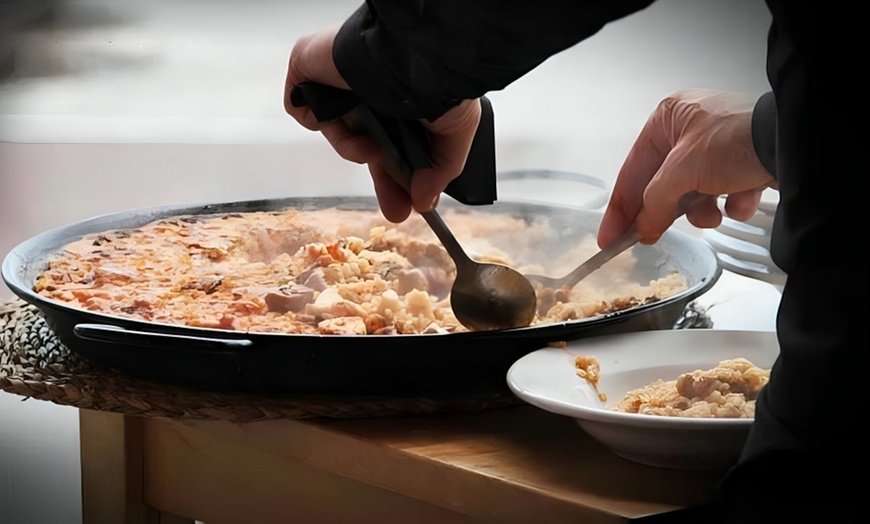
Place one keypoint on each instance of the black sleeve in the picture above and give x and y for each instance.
(764, 131)
(418, 58)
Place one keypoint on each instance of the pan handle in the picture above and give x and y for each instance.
(118, 335)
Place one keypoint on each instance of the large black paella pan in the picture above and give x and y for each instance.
(420, 364)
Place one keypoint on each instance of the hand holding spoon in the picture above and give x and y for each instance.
(625, 241)
(484, 296)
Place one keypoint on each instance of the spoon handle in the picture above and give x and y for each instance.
(454, 249)
(628, 239)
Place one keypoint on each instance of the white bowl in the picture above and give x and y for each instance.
(547, 378)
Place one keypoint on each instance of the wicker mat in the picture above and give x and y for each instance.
(35, 364)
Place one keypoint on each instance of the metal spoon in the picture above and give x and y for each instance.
(625, 241)
(628, 239)
(484, 296)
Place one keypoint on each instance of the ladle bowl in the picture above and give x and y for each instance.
(484, 296)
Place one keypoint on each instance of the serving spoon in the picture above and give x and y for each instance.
(484, 296)
(628, 239)
(625, 241)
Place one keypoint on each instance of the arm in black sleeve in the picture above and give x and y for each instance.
(418, 58)
(764, 131)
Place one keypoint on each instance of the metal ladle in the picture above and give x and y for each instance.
(484, 296)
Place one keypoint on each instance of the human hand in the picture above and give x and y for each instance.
(695, 146)
(450, 136)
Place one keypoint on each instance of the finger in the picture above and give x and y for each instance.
(351, 145)
(450, 140)
(290, 80)
(449, 156)
(311, 60)
(704, 212)
(303, 114)
(743, 205)
(394, 201)
(641, 164)
(428, 184)
(664, 199)
(616, 219)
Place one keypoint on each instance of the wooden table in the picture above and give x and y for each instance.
(516, 464)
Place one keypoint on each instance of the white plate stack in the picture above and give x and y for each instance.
(744, 247)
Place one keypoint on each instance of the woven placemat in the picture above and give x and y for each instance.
(34, 363)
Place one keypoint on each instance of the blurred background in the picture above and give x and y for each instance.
(108, 105)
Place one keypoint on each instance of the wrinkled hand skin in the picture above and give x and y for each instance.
(695, 146)
(450, 135)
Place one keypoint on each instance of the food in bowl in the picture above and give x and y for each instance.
(327, 271)
(728, 390)
(590, 369)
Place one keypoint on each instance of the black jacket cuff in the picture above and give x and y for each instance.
(764, 131)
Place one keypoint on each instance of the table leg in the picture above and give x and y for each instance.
(112, 461)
